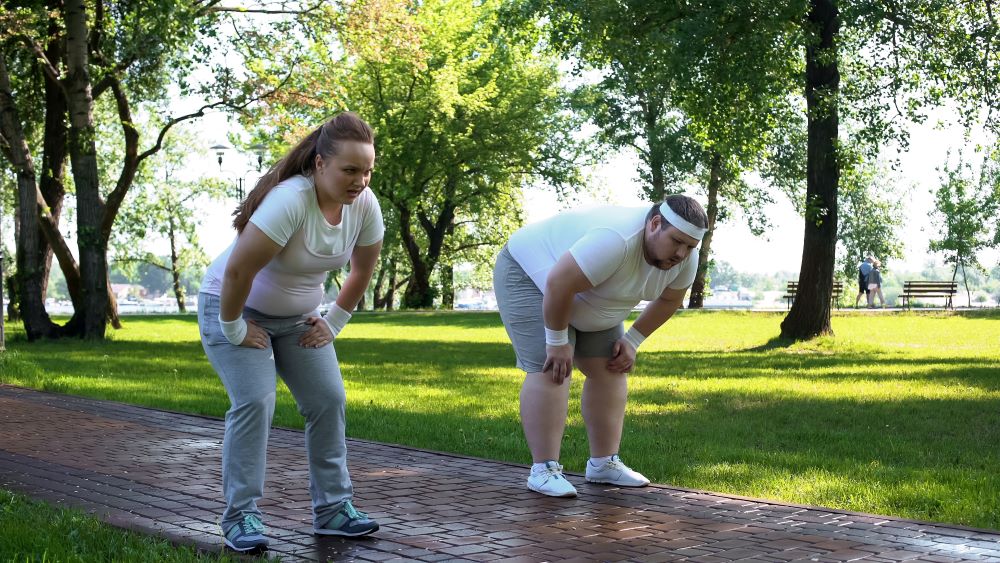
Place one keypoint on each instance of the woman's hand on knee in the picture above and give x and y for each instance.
(558, 362)
(256, 336)
(318, 335)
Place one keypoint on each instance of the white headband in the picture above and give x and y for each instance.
(681, 223)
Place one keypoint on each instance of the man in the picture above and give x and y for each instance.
(864, 268)
(564, 286)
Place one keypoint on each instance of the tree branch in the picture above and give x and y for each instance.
(131, 259)
(201, 112)
(212, 9)
(43, 61)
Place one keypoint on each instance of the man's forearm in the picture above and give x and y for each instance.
(556, 309)
(656, 313)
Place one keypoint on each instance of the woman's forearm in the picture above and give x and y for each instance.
(353, 289)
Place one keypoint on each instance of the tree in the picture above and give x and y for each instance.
(72, 54)
(901, 58)
(697, 97)
(163, 204)
(434, 81)
(871, 214)
(966, 203)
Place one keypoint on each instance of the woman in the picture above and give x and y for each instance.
(310, 214)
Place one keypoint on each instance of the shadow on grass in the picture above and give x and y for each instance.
(775, 343)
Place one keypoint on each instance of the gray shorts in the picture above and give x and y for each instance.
(520, 304)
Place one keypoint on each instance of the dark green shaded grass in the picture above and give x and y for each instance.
(898, 414)
(33, 531)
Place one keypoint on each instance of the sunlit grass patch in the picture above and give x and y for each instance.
(896, 414)
(34, 531)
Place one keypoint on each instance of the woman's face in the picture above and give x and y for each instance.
(343, 176)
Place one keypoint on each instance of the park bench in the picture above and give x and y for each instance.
(922, 289)
(793, 288)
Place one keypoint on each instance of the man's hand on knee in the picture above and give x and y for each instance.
(558, 362)
(622, 357)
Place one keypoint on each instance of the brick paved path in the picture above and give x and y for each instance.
(158, 472)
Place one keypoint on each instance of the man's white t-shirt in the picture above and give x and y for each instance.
(292, 282)
(607, 244)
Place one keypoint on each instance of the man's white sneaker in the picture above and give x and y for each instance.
(550, 481)
(615, 472)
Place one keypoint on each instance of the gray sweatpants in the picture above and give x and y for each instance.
(312, 375)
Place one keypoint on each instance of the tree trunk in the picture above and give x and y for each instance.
(390, 292)
(810, 313)
(448, 287)
(651, 113)
(3, 336)
(28, 254)
(419, 293)
(83, 154)
(965, 280)
(51, 186)
(697, 299)
(377, 290)
(386, 300)
(174, 270)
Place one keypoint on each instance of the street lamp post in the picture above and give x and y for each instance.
(240, 179)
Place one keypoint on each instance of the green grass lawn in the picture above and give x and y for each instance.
(898, 414)
(33, 531)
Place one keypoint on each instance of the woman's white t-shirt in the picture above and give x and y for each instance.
(606, 242)
(292, 282)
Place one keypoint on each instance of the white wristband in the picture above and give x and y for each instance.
(336, 318)
(556, 337)
(235, 331)
(634, 337)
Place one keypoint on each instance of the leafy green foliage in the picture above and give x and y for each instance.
(966, 207)
(465, 111)
(870, 216)
(164, 208)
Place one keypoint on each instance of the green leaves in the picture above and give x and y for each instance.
(967, 204)
(466, 112)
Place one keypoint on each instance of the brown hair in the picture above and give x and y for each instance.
(688, 208)
(346, 126)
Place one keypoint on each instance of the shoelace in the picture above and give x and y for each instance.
(252, 524)
(353, 513)
(615, 464)
(554, 471)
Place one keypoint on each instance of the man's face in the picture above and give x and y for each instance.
(664, 249)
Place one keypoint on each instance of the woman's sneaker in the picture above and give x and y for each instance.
(550, 481)
(615, 472)
(246, 536)
(348, 522)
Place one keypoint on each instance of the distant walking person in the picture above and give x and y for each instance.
(310, 214)
(864, 268)
(875, 285)
(564, 286)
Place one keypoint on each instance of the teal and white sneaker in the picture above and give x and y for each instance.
(348, 522)
(246, 535)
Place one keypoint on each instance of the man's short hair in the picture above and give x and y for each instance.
(688, 208)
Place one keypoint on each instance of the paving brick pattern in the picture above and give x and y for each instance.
(159, 473)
